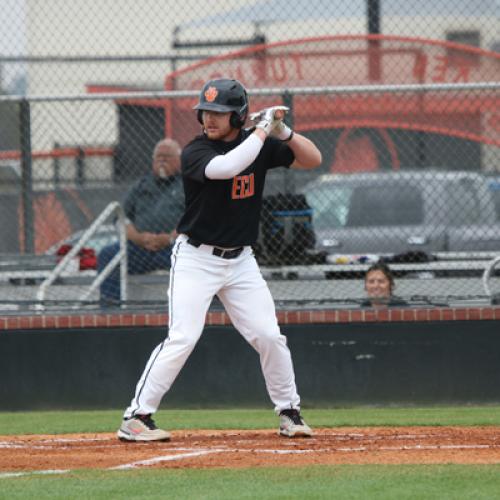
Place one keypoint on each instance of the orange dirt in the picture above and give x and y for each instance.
(202, 449)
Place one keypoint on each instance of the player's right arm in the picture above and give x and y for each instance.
(235, 161)
(238, 159)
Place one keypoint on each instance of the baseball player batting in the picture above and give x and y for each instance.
(223, 172)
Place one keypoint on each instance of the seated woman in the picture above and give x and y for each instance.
(379, 285)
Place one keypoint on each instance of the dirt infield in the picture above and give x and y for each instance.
(203, 449)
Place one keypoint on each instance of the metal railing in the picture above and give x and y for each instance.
(488, 272)
(262, 92)
(114, 208)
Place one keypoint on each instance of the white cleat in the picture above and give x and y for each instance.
(141, 428)
(293, 425)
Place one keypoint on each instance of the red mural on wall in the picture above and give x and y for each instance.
(50, 223)
(345, 64)
(357, 151)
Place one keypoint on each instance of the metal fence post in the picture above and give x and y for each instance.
(26, 177)
(373, 22)
(80, 167)
(289, 178)
(57, 166)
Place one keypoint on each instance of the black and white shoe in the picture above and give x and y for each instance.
(293, 425)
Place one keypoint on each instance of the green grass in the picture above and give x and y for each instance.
(384, 482)
(59, 422)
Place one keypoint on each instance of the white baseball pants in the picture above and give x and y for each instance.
(196, 276)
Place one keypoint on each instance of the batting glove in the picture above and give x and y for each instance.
(282, 131)
(267, 121)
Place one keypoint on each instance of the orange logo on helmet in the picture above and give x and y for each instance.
(211, 93)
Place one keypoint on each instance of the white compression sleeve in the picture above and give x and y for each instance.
(231, 164)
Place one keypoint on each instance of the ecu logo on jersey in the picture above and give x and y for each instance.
(243, 187)
(210, 94)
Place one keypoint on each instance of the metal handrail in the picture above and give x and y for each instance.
(487, 274)
(114, 208)
(262, 92)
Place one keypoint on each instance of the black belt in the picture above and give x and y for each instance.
(219, 252)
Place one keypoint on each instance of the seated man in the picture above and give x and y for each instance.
(153, 207)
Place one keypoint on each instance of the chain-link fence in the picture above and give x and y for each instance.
(402, 102)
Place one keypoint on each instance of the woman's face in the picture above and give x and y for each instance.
(377, 285)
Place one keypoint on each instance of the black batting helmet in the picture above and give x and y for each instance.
(224, 95)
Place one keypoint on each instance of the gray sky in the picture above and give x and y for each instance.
(12, 41)
(276, 10)
(12, 32)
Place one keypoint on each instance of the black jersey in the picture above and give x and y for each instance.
(226, 212)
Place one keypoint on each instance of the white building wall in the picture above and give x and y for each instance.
(97, 28)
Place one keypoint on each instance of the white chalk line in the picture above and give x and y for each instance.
(441, 447)
(381, 437)
(45, 444)
(33, 472)
(336, 436)
(180, 456)
(48, 444)
(198, 452)
(164, 458)
(30, 446)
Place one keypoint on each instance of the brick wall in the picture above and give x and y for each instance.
(220, 318)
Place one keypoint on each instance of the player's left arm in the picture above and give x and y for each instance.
(307, 155)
